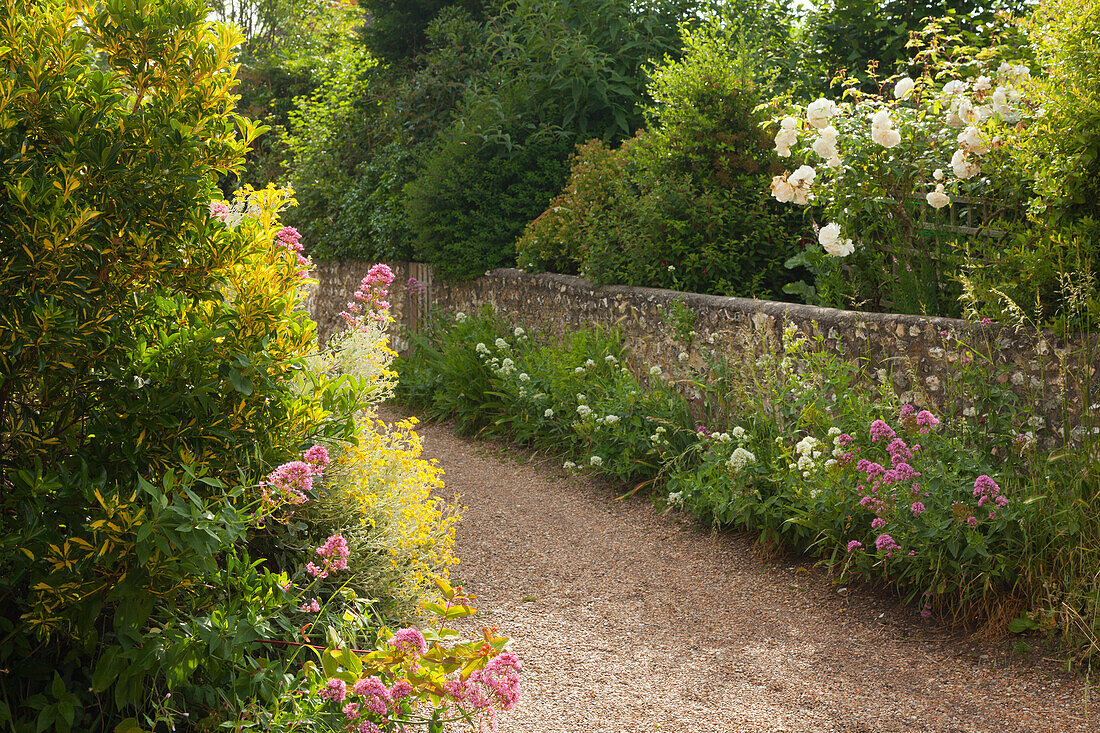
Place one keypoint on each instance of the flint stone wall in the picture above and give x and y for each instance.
(916, 353)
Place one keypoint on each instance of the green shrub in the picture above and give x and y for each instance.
(679, 205)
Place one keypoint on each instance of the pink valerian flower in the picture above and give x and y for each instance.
(926, 612)
(843, 440)
(409, 640)
(400, 690)
(368, 727)
(467, 695)
(335, 553)
(501, 675)
(886, 543)
(972, 521)
(219, 210)
(855, 545)
(926, 420)
(312, 607)
(878, 523)
(899, 451)
(317, 458)
(374, 694)
(881, 431)
(351, 710)
(900, 473)
(335, 690)
(871, 469)
(289, 482)
(370, 299)
(917, 508)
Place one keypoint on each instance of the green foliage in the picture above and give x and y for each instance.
(680, 205)
(1063, 149)
(397, 30)
(781, 443)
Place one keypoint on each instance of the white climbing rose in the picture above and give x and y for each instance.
(782, 190)
(819, 112)
(834, 244)
(962, 166)
(938, 199)
(974, 140)
(903, 87)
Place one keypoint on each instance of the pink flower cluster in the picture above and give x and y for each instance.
(911, 418)
(314, 606)
(374, 699)
(219, 210)
(290, 239)
(986, 489)
(291, 482)
(501, 676)
(370, 299)
(409, 641)
(335, 555)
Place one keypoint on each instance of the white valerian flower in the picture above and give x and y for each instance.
(962, 166)
(672, 268)
(739, 459)
(481, 348)
(938, 199)
(569, 465)
(501, 343)
(676, 498)
(519, 332)
(882, 130)
(507, 367)
(548, 413)
(460, 317)
(938, 174)
(903, 87)
(819, 112)
(581, 398)
(610, 359)
(833, 432)
(523, 377)
(974, 140)
(655, 371)
(589, 363)
(584, 411)
(595, 461)
(834, 244)
(610, 419)
(682, 356)
(579, 370)
(983, 84)
(739, 433)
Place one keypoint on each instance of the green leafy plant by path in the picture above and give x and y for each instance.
(971, 512)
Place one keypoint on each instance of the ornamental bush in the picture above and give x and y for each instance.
(164, 412)
(676, 206)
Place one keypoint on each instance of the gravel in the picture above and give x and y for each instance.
(629, 620)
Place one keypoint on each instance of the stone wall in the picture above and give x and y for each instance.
(916, 353)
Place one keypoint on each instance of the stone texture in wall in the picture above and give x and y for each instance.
(918, 355)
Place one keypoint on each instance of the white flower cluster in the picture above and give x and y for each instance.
(611, 360)
(655, 371)
(482, 349)
(833, 243)
(608, 419)
(825, 146)
(809, 450)
(519, 332)
(786, 137)
(676, 498)
(501, 343)
(569, 466)
(548, 413)
(796, 187)
(740, 459)
(595, 461)
(460, 317)
(507, 367)
(658, 436)
(584, 411)
(883, 131)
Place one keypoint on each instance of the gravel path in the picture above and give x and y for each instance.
(628, 620)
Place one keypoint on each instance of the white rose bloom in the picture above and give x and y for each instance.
(887, 137)
(953, 120)
(825, 148)
(938, 199)
(819, 112)
(834, 162)
(1001, 105)
(789, 123)
(962, 167)
(834, 244)
(1020, 71)
(954, 87)
(882, 119)
(903, 87)
(784, 140)
(828, 133)
(782, 190)
(803, 196)
(1004, 68)
(973, 140)
(804, 174)
(983, 112)
(983, 84)
(938, 174)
